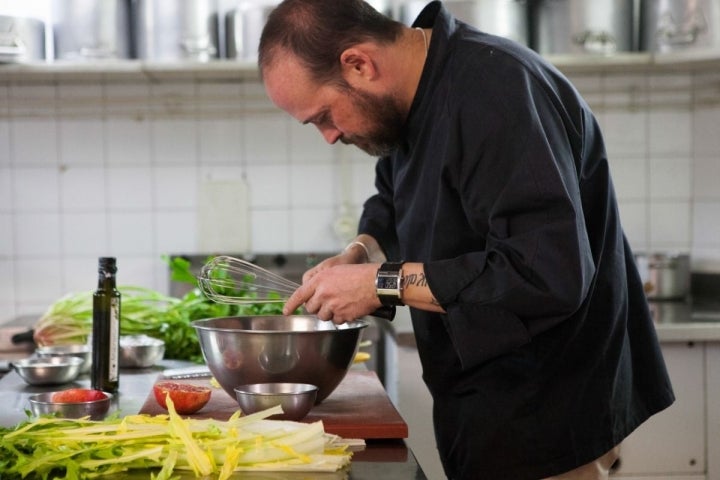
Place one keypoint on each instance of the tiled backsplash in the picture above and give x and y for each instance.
(117, 169)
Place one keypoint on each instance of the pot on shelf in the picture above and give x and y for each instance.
(587, 26)
(91, 29)
(665, 276)
(22, 39)
(177, 30)
(243, 26)
(680, 25)
(506, 18)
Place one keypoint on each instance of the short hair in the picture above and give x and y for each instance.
(318, 31)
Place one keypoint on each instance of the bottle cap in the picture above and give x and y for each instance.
(107, 264)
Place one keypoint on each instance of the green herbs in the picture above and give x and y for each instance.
(50, 447)
(145, 311)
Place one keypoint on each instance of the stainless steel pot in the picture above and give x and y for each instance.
(22, 39)
(91, 29)
(177, 30)
(680, 25)
(506, 18)
(665, 276)
(586, 26)
(243, 26)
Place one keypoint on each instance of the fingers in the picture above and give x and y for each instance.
(295, 301)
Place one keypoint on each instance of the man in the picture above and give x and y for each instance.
(496, 206)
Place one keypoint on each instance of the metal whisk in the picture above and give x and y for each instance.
(226, 279)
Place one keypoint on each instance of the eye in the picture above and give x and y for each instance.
(324, 119)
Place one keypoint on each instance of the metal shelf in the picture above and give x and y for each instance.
(230, 70)
(128, 70)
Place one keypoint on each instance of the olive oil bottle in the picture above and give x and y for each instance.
(105, 374)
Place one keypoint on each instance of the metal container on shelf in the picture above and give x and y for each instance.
(22, 39)
(680, 25)
(91, 29)
(506, 18)
(665, 276)
(243, 26)
(587, 26)
(177, 30)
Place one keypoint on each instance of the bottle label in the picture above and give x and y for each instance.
(114, 362)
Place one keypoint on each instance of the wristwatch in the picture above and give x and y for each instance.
(388, 283)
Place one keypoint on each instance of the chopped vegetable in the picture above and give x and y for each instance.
(186, 398)
(78, 395)
(146, 311)
(82, 449)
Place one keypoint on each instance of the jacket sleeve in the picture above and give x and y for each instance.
(378, 217)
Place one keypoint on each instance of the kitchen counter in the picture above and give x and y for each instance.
(687, 321)
(381, 459)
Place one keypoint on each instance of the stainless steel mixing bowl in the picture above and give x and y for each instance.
(277, 348)
(42, 403)
(296, 399)
(83, 352)
(140, 351)
(48, 371)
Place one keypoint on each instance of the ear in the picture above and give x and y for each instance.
(357, 63)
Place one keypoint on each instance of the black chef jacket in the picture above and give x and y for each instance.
(547, 356)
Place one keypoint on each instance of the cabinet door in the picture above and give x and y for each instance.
(712, 353)
(673, 441)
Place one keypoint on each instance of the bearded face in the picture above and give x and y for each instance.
(385, 119)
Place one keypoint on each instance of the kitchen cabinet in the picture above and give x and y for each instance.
(682, 442)
(673, 441)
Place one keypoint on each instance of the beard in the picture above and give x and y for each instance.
(386, 120)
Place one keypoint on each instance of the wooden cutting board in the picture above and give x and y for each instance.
(358, 408)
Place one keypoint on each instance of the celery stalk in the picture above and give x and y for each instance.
(49, 447)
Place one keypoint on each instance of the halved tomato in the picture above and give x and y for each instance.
(186, 398)
(78, 395)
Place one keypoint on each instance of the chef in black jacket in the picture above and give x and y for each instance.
(495, 221)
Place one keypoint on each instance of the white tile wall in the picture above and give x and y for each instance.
(115, 169)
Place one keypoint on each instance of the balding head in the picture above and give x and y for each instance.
(318, 31)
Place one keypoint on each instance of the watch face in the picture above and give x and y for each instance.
(387, 283)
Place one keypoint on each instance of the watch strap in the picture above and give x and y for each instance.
(388, 284)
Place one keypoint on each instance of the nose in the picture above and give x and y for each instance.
(331, 135)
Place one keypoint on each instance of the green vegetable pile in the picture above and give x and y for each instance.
(146, 311)
(50, 447)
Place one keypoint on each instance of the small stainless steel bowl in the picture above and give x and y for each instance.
(83, 352)
(140, 351)
(42, 404)
(48, 371)
(296, 399)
